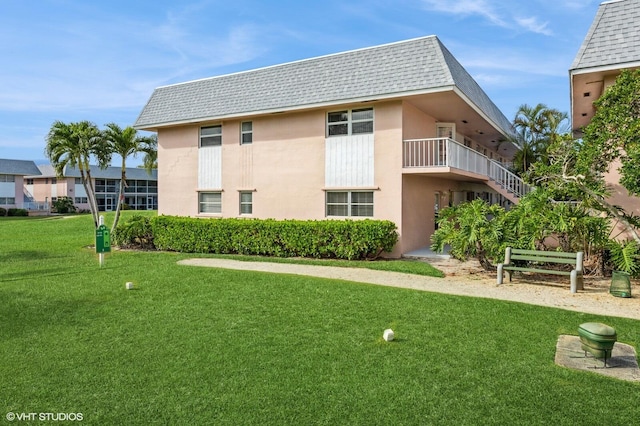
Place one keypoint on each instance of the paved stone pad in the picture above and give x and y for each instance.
(622, 365)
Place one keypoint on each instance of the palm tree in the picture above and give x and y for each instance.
(124, 142)
(150, 149)
(536, 128)
(74, 145)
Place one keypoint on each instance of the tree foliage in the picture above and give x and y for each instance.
(78, 144)
(75, 145)
(126, 143)
(576, 168)
(614, 132)
(536, 128)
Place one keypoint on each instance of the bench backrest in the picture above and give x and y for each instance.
(544, 256)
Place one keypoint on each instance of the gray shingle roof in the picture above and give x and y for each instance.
(613, 38)
(18, 167)
(46, 170)
(407, 67)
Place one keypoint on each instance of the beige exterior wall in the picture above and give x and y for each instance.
(178, 171)
(284, 168)
(44, 190)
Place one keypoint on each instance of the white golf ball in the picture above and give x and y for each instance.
(388, 335)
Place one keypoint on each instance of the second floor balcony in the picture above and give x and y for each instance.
(446, 156)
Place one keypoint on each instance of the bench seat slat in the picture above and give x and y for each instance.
(542, 271)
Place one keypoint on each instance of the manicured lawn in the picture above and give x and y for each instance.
(207, 346)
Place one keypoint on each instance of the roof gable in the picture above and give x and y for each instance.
(390, 70)
(613, 38)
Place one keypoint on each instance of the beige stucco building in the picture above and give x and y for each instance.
(611, 45)
(140, 193)
(390, 132)
(13, 194)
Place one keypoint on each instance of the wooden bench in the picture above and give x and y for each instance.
(536, 260)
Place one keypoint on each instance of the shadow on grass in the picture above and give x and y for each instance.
(27, 255)
(26, 314)
(43, 274)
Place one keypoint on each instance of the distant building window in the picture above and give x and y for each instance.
(246, 132)
(81, 200)
(210, 202)
(246, 202)
(7, 200)
(349, 203)
(54, 181)
(78, 181)
(211, 136)
(7, 178)
(350, 122)
(29, 181)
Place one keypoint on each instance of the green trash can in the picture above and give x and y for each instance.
(620, 284)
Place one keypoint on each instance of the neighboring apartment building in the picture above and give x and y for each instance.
(611, 44)
(141, 191)
(391, 132)
(12, 190)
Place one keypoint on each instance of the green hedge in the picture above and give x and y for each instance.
(341, 239)
(17, 212)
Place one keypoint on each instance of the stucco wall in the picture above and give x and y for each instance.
(178, 171)
(284, 167)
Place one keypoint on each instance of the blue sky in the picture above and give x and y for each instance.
(75, 60)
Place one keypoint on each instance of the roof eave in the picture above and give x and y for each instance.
(389, 96)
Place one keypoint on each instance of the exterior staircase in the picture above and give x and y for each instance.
(444, 155)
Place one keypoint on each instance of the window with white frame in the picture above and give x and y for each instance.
(350, 122)
(211, 136)
(7, 178)
(349, 203)
(7, 200)
(246, 132)
(246, 202)
(210, 202)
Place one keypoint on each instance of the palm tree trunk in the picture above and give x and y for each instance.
(123, 178)
(89, 191)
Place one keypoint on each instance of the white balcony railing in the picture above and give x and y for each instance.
(445, 152)
(36, 206)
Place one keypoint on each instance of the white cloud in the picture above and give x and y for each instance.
(467, 7)
(532, 24)
(509, 15)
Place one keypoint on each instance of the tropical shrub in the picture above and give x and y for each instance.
(136, 232)
(625, 256)
(64, 205)
(473, 229)
(479, 230)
